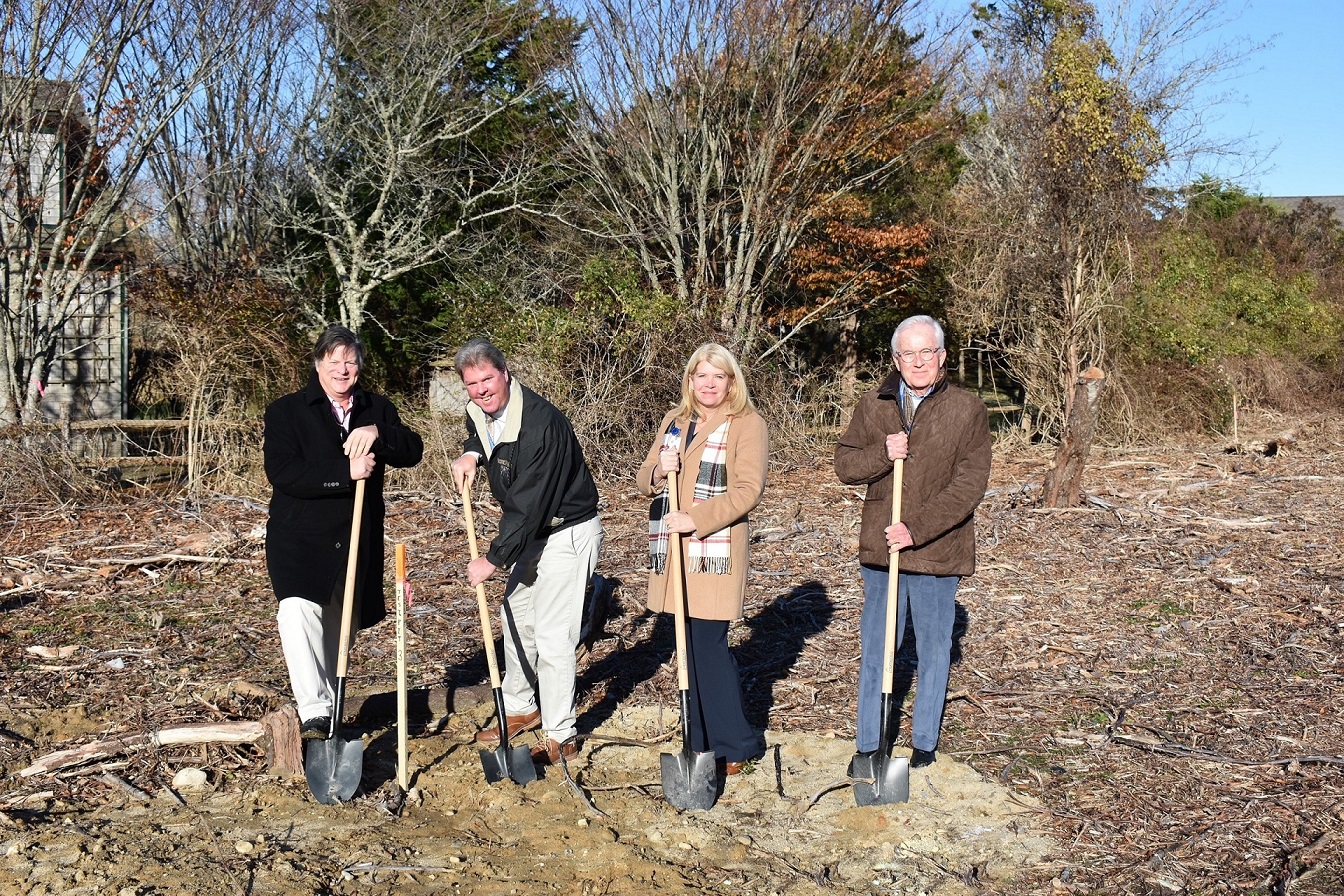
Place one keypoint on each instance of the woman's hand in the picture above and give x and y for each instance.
(669, 461)
(679, 521)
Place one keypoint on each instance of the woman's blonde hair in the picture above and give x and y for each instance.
(738, 400)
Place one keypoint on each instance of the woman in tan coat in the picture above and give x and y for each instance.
(716, 437)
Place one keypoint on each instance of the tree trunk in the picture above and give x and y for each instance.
(849, 369)
(1064, 483)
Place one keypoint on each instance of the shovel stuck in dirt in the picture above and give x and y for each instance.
(334, 766)
(690, 780)
(501, 762)
(884, 779)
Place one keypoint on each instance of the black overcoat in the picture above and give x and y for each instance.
(313, 497)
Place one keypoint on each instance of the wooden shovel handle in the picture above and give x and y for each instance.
(487, 631)
(351, 566)
(676, 583)
(893, 582)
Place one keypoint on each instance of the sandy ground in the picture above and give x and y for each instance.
(788, 825)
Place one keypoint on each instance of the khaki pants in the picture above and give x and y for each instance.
(309, 634)
(542, 615)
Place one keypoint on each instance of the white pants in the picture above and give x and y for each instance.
(542, 616)
(309, 636)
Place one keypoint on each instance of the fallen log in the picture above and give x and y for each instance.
(279, 731)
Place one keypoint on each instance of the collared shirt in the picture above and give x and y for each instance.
(910, 400)
(342, 412)
(494, 427)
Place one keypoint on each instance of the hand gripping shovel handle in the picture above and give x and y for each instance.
(334, 766)
(690, 779)
(500, 762)
(891, 777)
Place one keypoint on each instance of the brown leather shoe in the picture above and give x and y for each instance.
(733, 768)
(550, 752)
(517, 725)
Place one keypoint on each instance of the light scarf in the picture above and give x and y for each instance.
(711, 554)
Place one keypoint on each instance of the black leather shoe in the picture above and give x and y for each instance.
(861, 754)
(316, 729)
(920, 758)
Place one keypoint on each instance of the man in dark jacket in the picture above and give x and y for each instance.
(549, 532)
(318, 443)
(942, 433)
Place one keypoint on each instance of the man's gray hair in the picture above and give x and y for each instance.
(918, 320)
(478, 352)
(336, 336)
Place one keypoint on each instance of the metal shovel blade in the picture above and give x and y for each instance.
(690, 780)
(890, 779)
(333, 768)
(513, 762)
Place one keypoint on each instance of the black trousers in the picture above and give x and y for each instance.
(718, 718)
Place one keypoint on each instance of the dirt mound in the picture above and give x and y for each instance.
(788, 824)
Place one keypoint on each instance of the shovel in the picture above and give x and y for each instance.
(501, 762)
(890, 778)
(334, 766)
(690, 780)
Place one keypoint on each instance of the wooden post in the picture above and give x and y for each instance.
(1064, 483)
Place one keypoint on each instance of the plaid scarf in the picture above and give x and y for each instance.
(710, 554)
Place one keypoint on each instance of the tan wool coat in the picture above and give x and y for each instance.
(713, 596)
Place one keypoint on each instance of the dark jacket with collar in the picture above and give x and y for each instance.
(537, 472)
(313, 497)
(946, 472)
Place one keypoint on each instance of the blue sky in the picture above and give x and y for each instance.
(1291, 96)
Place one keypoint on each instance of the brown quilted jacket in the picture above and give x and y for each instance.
(945, 476)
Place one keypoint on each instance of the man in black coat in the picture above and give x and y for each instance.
(549, 533)
(318, 443)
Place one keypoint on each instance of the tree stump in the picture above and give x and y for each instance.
(284, 750)
(1064, 482)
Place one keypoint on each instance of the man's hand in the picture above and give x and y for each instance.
(898, 537)
(464, 473)
(360, 441)
(897, 444)
(361, 466)
(479, 570)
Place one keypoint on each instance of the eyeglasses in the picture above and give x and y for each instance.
(924, 354)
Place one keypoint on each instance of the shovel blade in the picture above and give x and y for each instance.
(515, 763)
(333, 768)
(690, 780)
(886, 780)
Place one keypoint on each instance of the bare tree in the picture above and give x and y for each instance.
(84, 100)
(227, 147)
(711, 134)
(1082, 115)
(406, 151)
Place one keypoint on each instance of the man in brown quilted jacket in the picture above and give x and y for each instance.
(942, 433)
